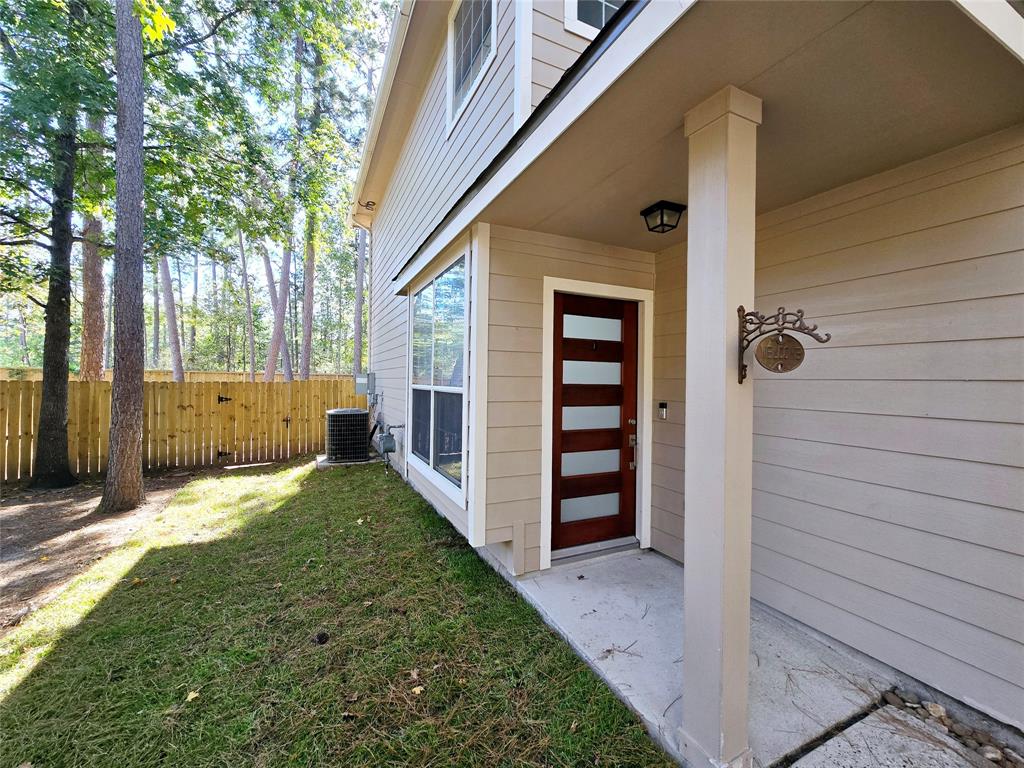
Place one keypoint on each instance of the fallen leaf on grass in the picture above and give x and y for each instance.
(352, 698)
(414, 674)
(44, 558)
(573, 727)
(359, 521)
(278, 585)
(192, 696)
(136, 581)
(174, 579)
(417, 690)
(367, 603)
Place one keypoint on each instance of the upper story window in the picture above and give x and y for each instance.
(471, 44)
(587, 17)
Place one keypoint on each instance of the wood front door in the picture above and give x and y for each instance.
(593, 477)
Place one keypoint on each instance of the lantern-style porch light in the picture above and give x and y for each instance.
(663, 216)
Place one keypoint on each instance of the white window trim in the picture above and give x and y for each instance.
(645, 400)
(457, 493)
(455, 113)
(573, 23)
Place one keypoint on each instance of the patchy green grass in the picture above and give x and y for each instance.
(282, 616)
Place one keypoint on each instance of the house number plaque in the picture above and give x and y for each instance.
(778, 351)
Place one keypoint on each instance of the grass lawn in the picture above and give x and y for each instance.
(283, 616)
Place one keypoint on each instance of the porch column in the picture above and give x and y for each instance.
(722, 133)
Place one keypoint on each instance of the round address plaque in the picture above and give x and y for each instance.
(779, 353)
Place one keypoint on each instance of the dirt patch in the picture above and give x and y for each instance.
(48, 537)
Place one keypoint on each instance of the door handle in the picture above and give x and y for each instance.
(632, 444)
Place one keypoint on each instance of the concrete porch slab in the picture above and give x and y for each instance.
(893, 738)
(623, 613)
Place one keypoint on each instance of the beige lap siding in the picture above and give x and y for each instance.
(554, 47)
(432, 172)
(519, 262)
(888, 480)
(670, 388)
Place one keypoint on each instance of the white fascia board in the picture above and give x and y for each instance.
(1000, 20)
(387, 78)
(654, 20)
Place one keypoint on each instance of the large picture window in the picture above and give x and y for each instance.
(438, 354)
(471, 41)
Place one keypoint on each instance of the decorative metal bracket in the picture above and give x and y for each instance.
(754, 325)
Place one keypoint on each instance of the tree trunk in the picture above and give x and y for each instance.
(52, 467)
(181, 300)
(357, 326)
(195, 312)
(248, 308)
(156, 317)
(308, 276)
(123, 487)
(107, 345)
(228, 325)
(278, 335)
(272, 290)
(213, 280)
(23, 338)
(90, 366)
(277, 339)
(170, 311)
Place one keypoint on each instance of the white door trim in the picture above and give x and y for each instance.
(645, 398)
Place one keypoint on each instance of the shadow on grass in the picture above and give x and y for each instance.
(293, 617)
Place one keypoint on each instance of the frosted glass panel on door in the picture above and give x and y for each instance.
(590, 417)
(585, 327)
(589, 372)
(590, 462)
(587, 507)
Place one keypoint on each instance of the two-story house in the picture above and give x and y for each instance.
(573, 204)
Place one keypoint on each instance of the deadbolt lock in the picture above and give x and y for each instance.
(632, 441)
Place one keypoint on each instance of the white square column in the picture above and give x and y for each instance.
(722, 133)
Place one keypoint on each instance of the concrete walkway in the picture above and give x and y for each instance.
(623, 613)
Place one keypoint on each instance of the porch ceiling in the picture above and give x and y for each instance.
(850, 89)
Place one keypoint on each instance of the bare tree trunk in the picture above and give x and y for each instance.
(248, 309)
(195, 312)
(278, 335)
(123, 487)
(213, 271)
(272, 290)
(181, 300)
(156, 318)
(173, 339)
(280, 309)
(308, 276)
(228, 322)
(108, 346)
(357, 325)
(90, 365)
(23, 338)
(52, 467)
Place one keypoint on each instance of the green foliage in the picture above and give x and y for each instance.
(221, 145)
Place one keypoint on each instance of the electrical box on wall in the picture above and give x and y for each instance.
(366, 383)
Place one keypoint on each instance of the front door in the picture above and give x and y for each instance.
(593, 477)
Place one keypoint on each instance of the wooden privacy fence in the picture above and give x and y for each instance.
(189, 424)
(156, 374)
